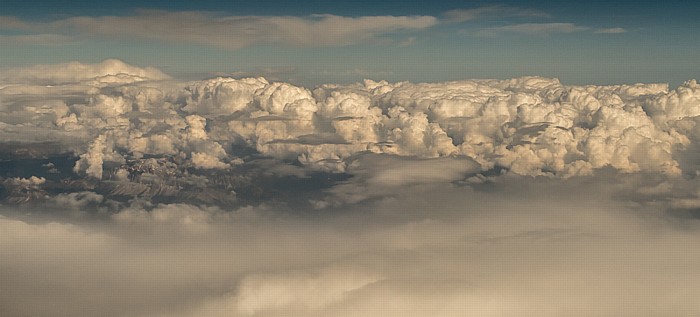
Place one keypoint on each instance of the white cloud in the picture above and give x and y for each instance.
(76, 72)
(529, 126)
(207, 161)
(304, 291)
(512, 247)
(476, 197)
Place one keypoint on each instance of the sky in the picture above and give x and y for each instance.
(316, 158)
(592, 42)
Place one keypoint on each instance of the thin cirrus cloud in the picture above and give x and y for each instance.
(533, 29)
(35, 39)
(10, 22)
(232, 32)
(611, 31)
(463, 15)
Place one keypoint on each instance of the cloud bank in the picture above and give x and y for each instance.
(110, 71)
(458, 251)
(128, 193)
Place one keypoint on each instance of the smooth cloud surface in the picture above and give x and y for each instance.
(111, 69)
(234, 32)
(535, 29)
(462, 15)
(231, 32)
(127, 193)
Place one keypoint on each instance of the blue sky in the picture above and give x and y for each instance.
(313, 42)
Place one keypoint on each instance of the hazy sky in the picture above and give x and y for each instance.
(313, 42)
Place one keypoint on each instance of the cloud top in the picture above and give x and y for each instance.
(128, 195)
(73, 72)
(528, 126)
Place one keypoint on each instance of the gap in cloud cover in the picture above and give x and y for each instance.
(126, 192)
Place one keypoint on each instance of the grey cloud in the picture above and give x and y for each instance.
(233, 32)
(10, 22)
(499, 11)
(610, 31)
(533, 29)
(36, 39)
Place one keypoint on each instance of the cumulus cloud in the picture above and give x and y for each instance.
(528, 126)
(126, 193)
(75, 72)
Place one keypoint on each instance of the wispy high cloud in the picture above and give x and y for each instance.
(10, 22)
(610, 31)
(35, 39)
(533, 29)
(463, 15)
(518, 13)
(237, 31)
(232, 32)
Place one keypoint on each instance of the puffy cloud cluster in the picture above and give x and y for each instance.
(529, 125)
(108, 71)
(244, 197)
(148, 136)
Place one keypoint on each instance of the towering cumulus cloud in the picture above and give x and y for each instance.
(128, 193)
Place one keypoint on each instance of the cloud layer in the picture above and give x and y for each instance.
(556, 248)
(527, 126)
(234, 32)
(128, 193)
(231, 32)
